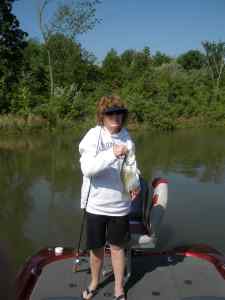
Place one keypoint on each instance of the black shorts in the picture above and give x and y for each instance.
(99, 229)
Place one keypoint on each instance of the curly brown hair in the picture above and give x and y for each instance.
(107, 102)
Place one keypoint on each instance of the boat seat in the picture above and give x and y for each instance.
(147, 212)
(146, 216)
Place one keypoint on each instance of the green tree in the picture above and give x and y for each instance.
(71, 19)
(32, 89)
(160, 58)
(127, 57)
(215, 56)
(142, 62)
(12, 45)
(192, 59)
(112, 69)
(68, 61)
(35, 71)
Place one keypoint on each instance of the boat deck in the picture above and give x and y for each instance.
(159, 277)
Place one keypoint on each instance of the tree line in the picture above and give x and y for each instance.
(59, 80)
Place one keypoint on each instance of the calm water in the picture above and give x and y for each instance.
(40, 183)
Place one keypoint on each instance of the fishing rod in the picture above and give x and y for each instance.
(77, 252)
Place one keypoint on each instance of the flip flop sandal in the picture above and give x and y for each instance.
(121, 297)
(89, 293)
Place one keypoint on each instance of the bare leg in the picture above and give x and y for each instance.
(118, 263)
(96, 261)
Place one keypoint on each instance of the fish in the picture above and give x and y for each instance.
(130, 172)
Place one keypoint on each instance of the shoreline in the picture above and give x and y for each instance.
(15, 124)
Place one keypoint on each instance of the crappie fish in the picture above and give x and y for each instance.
(130, 172)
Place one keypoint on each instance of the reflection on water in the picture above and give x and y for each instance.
(40, 182)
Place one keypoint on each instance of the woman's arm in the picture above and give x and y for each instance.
(92, 162)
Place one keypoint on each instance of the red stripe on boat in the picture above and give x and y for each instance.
(157, 181)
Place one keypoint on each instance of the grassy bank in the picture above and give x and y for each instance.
(14, 124)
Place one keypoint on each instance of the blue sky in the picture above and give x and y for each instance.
(170, 26)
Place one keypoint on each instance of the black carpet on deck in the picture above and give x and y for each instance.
(153, 277)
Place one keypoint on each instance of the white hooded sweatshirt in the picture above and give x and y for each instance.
(102, 185)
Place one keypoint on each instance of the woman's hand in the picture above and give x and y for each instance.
(134, 193)
(120, 150)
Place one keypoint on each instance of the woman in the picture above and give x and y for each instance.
(103, 150)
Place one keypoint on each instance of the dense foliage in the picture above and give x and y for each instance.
(12, 44)
(161, 92)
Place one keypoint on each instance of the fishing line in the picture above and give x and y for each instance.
(77, 261)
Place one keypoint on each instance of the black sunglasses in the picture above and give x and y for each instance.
(110, 113)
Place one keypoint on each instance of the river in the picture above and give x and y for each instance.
(40, 181)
